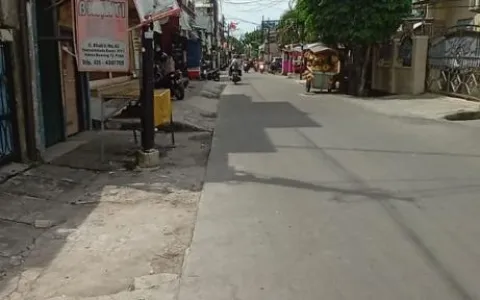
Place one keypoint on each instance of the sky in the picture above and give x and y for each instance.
(248, 13)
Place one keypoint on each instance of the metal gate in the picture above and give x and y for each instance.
(454, 62)
(8, 133)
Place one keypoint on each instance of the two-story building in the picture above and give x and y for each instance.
(450, 13)
(207, 19)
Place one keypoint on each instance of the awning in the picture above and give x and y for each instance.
(314, 47)
(153, 10)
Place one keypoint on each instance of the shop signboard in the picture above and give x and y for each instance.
(102, 37)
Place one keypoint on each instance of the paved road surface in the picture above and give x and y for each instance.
(313, 198)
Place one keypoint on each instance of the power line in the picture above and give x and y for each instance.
(252, 4)
(241, 20)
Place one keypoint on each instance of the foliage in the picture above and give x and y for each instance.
(253, 38)
(237, 45)
(354, 22)
(293, 28)
(289, 30)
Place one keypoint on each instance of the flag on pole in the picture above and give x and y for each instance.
(233, 25)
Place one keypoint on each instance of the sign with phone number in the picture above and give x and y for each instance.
(102, 35)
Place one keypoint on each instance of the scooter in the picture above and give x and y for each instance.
(235, 76)
(246, 67)
(261, 68)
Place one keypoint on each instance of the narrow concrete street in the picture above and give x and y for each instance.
(313, 197)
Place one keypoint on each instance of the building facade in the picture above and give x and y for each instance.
(207, 19)
(453, 62)
(17, 123)
(44, 99)
(269, 49)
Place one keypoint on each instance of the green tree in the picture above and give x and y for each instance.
(254, 39)
(292, 28)
(356, 24)
(236, 44)
(289, 30)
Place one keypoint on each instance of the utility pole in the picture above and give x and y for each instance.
(148, 132)
(261, 29)
(229, 46)
(300, 37)
(215, 33)
(268, 43)
(263, 36)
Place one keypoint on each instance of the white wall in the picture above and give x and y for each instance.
(203, 19)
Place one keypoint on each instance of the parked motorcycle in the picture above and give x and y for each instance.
(172, 81)
(177, 85)
(213, 75)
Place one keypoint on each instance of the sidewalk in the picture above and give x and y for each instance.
(199, 110)
(426, 106)
(76, 229)
(86, 234)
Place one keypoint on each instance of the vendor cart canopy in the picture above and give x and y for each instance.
(315, 47)
(319, 47)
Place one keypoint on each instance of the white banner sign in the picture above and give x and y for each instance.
(102, 38)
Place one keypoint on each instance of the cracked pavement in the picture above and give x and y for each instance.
(70, 234)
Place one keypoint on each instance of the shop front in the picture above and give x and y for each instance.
(64, 95)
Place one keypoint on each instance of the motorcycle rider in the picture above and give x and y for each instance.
(235, 65)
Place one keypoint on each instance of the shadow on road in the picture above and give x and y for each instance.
(248, 121)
